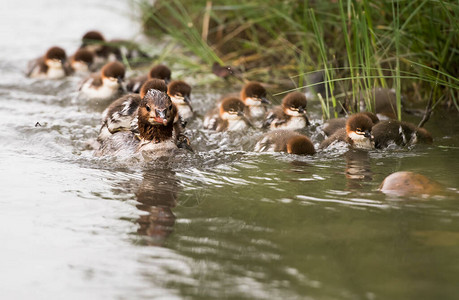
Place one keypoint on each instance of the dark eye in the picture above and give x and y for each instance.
(231, 110)
(178, 95)
(292, 107)
(148, 108)
(359, 130)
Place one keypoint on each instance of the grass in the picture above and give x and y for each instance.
(410, 46)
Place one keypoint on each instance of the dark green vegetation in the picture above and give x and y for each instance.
(411, 46)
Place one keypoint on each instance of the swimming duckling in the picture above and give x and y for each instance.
(285, 141)
(230, 116)
(94, 42)
(50, 66)
(155, 117)
(290, 115)
(399, 133)
(180, 91)
(158, 71)
(106, 84)
(120, 114)
(332, 125)
(254, 96)
(82, 62)
(357, 133)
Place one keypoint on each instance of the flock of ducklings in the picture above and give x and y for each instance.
(148, 114)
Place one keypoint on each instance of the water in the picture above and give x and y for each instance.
(221, 223)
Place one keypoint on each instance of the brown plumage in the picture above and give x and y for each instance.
(357, 133)
(54, 58)
(332, 125)
(157, 71)
(228, 117)
(399, 133)
(180, 93)
(254, 96)
(290, 115)
(285, 141)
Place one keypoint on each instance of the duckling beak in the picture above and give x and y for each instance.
(301, 110)
(367, 134)
(187, 99)
(119, 79)
(264, 100)
(161, 116)
(240, 113)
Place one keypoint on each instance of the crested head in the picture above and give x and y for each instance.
(84, 56)
(56, 53)
(294, 104)
(156, 108)
(253, 90)
(160, 72)
(232, 108)
(153, 84)
(301, 145)
(179, 91)
(113, 69)
(92, 36)
(359, 122)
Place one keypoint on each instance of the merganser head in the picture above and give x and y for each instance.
(254, 94)
(82, 60)
(301, 145)
(55, 57)
(160, 72)
(156, 108)
(92, 41)
(113, 74)
(294, 104)
(179, 91)
(155, 84)
(358, 129)
(232, 108)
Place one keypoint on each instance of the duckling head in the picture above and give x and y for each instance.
(254, 94)
(294, 104)
(232, 109)
(179, 91)
(156, 108)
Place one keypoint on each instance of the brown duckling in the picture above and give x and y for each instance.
(155, 117)
(50, 66)
(254, 96)
(157, 71)
(82, 62)
(120, 114)
(399, 133)
(357, 133)
(230, 116)
(332, 125)
(285, 141)
(180, 91)
(290, 115)
(106, 84)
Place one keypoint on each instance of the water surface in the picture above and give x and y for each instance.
(223, 222)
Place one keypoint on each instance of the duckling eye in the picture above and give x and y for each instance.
(178, 95)
(231, 110)
(358, 130)
(148, 108)
(293, 108)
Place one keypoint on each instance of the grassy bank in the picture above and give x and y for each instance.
(411, 46)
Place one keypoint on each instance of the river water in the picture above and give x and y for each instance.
(221, 223)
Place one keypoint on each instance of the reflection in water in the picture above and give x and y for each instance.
(358, 168)
(157, 196)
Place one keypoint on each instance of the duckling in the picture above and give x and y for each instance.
(254, 96)
(332, 125)
(230, 116)
(180, 91)
(290, 115)
(399, 133)
(285, 141)
(158, 71)
(120, 114)
(82, 62)
(50, 66)
(106, 84)
(357, 133)
(94, 42)
(155, 117)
